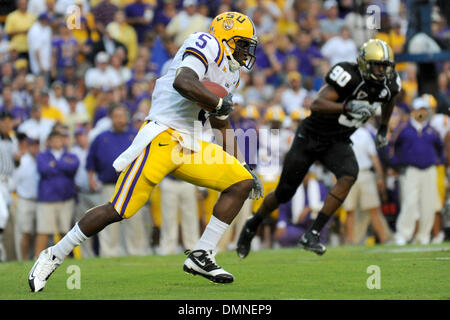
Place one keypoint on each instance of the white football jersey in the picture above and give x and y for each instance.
(202, 53)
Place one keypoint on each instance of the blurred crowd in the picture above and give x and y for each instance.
(76, 83)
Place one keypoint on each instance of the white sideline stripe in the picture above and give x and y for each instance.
(406, 250)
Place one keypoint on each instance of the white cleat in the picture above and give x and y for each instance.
(201, 262)
(42, 269)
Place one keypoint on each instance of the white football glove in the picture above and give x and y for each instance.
(359, 110)
(258, 188)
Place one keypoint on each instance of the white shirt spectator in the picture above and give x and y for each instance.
(60, 103)
(441, 123)
(338, 49)
(82, 176)
(40, 41)
(38, 129)
(61, 6)
(98, 78)
(26, 177)
(364, 147)
(293, 100)
(36, 7)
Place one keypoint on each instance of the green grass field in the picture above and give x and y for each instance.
(411, 272)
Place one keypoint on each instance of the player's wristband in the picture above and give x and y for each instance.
(219, 105)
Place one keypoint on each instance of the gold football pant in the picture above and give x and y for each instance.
(211, 167)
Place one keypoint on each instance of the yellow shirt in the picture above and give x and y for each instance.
(127, 35)
(396, 42)
(50, 112)
(90, 102)
(17, 21)
(410, 88)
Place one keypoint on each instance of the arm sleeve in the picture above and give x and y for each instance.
(195, 64)
(205, 48)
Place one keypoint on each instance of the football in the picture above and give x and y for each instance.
(215, 88)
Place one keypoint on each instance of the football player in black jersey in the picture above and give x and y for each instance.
(350, 96)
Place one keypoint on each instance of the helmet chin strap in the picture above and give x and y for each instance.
(234, 65)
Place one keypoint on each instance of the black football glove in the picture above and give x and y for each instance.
(225, 108)
(258, 188)
(380, 139)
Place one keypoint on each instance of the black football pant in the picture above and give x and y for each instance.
(336, 155)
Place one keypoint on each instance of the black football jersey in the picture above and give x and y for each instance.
(348, 82)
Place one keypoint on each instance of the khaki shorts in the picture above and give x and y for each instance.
(26, 215)
(54, 217)
(364, 193)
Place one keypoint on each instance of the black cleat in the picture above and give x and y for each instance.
(245, 241)
(201, 262)
(310, 241)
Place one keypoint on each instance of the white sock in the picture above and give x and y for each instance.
(212, 234)
(72, 239)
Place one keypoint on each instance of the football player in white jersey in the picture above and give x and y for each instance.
(179, 101)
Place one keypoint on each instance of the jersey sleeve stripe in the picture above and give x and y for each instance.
(198, 55)
(219, 57)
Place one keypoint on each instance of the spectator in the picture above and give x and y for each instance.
(56, 192)
(356, 21)
(363, 199)
(104, 13)
(36, 7)
(85, 197)
(7, 104)
(340, 48)
(292, 98)
(106, 147)
(75, 118)
(266, 13)
(40, 46)
(26, 180)
(4, 47)
(417, 149)
(307, 53)
(8, 155)
(57, 98)
(124, 33)
(36, 126)
(17, 25)
(332, 24)
(297, 215)
(105, 44)
(186, 22)
(64, 51)
(259, 92)
(139, 15)
(103, 75)
(163, 17)
(49, 111)
(178, 196)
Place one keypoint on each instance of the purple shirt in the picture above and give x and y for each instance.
(104, 150)
(66, 51)
(305, 59)
(57, 177)
(137, 10)
(17, 112)
(411, 148)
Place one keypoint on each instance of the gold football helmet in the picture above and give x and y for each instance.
(376, 60)
(236, 32)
